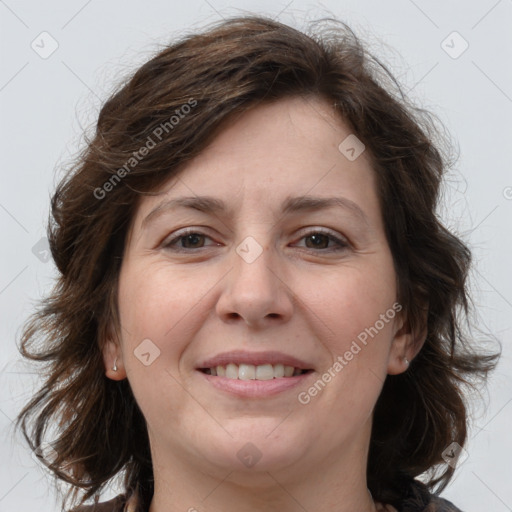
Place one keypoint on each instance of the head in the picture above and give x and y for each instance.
(308, 191)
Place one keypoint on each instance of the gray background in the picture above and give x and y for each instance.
(46, 103)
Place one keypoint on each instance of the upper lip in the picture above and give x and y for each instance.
(254, 358)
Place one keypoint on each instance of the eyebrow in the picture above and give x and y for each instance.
(208, 204)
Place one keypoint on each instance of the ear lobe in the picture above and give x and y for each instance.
(406, 344)
(113, 360)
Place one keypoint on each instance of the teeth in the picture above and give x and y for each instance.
(263, 372)
(253, 372)
(232, 371)
(247, 372)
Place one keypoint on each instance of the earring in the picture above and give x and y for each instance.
(115, 365)
(406, 361)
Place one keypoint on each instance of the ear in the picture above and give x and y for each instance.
(407, 342)
(113, 357)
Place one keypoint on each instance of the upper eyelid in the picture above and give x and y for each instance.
(304, 232)
(324, 231)
(180, 233)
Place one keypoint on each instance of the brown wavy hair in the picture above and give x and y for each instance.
(99, 431)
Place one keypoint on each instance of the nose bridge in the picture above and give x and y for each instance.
(253, 290)
(253, 264)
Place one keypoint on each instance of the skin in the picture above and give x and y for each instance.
(296, 298)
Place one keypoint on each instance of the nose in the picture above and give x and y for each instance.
(256, 293)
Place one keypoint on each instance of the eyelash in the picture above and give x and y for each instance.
(341, 244)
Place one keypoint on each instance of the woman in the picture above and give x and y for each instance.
(257, 307)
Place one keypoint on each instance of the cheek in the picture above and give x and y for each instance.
(354, 314)
(152, 300)
(165, 305)
(353, 299)
(154, 305)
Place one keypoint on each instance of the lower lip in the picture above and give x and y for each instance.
(256, 388)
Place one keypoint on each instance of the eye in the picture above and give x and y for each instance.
(187, 240)
(320, 239)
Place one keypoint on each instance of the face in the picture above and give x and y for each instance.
(257, 298)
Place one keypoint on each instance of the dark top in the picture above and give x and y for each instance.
(417, 499)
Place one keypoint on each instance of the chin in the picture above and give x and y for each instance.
(260, 450)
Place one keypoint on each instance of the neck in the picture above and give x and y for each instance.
(271, 494)
(333, 482)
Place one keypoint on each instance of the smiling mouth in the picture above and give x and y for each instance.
(254, 372)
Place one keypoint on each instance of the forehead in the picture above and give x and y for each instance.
(274, 151)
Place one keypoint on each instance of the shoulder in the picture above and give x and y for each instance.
(117, 504)
(419, 499)
(438, 504)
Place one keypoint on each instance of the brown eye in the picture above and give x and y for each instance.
(324, 241)
(187, 241)
(318, 241)
(192, 240)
